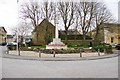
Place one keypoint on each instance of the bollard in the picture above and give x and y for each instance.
(80, 53)
(53, 53)
(19, 52)
(39, 53)
(98, 52)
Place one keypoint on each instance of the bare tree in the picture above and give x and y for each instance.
(66, 10)
(101, 16)
(31, 12)
(47, 10)
(22, 30)
(34, 12)
(85, 12)
(76, 25)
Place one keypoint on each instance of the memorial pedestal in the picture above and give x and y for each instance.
(56, 44)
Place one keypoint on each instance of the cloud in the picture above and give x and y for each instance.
(8, 13)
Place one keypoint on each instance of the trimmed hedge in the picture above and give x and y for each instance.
(72, 37)
(78, 43)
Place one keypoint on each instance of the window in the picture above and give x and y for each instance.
(112, 39)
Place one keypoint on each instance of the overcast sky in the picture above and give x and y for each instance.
(9, 12)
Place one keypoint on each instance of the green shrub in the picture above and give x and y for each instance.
(25, 49)
(108, 49)
(12, 47)
(102, 47)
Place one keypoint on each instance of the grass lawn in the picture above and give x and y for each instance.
(68, 46)
(37, 46)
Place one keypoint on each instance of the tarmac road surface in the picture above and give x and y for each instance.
(103, 68)
(15, 68)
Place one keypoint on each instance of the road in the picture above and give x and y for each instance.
(15, 68)
(103, 68)
(2, 51)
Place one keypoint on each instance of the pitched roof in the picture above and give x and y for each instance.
(44, 21)
(3, 29)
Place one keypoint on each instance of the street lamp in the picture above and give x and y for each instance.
(18, 51)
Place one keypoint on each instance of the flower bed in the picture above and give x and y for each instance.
(25, 49)
(63, 51)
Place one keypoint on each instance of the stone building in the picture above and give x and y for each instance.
(43, 33)
(10, 38)
(112, 34)
(108, 33)
(3, 34)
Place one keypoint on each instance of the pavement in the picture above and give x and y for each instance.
(59, 58)
(32, 55)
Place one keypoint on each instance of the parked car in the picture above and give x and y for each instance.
(117, 46)
(10, 45)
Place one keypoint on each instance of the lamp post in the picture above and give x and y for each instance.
(17, 29)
